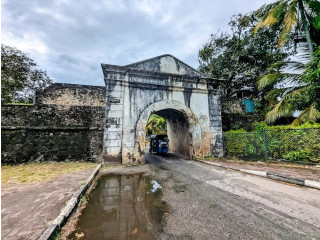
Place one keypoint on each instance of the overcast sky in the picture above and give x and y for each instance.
(70, 39)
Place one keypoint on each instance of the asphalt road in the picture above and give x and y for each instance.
(207, 202)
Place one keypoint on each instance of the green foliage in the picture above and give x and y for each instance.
(241, 130)
(259, 126)
(302, 93)
(161, 124)
(235, 147)
(311, 76)
(298, 156)
(19, 76)
(242, 56)
(298, 92)
(299, 15)
(156, 125)
(275, 142)
(309, 125)
(252, 51)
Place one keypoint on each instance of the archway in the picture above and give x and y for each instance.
(184, 131)
(167, 86)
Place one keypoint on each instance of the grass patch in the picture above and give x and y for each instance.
(36, 172)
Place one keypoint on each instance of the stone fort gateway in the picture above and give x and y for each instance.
(79, 122)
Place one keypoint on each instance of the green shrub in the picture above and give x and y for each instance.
(259, 126)
(309, 125)
(236, 142)
(298, 156)
(275, 142)
(241, 130)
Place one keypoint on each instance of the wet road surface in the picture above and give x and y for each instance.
(122, 206)
(207, 202)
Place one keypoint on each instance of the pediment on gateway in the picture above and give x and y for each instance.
(166, 64)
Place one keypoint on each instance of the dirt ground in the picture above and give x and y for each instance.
(27, 209)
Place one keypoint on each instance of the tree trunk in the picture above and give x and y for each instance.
(306, 28)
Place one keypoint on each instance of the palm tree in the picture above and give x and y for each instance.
(301, 14)
(299, 92)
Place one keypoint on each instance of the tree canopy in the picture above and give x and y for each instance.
(156, 125)
(301, 94)
(300, 15)
(258, 52)
(241, 57)
(290, 91)
(20, 77)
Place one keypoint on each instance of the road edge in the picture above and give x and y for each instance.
(274, 176)
(67, 210)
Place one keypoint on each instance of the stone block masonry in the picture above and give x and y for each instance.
(68, 130)
(51, 116)
(41, 144)
(72, 94)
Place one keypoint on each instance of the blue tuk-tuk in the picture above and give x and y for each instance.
(159, 144)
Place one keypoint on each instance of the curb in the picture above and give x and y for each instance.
(274, 176)
(67, 210)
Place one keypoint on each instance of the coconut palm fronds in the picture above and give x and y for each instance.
(308, 114)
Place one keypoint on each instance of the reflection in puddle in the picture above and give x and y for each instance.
(122, 207)
(155, 186)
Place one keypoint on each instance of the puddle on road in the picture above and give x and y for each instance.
(122, 207)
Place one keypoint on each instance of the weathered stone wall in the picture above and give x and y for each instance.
(179, 137)
(124, 136)
(169, 88)
(165, 63)
(234, 105)
(216, 144)
(72, 95)
(52, 116)
(51, 133)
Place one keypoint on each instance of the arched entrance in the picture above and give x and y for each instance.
(189, 101)
(184, 131)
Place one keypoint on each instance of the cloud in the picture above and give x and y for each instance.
(71, 39)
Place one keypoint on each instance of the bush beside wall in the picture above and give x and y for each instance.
(285, 143)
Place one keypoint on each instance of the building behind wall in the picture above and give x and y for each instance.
(238, 111)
